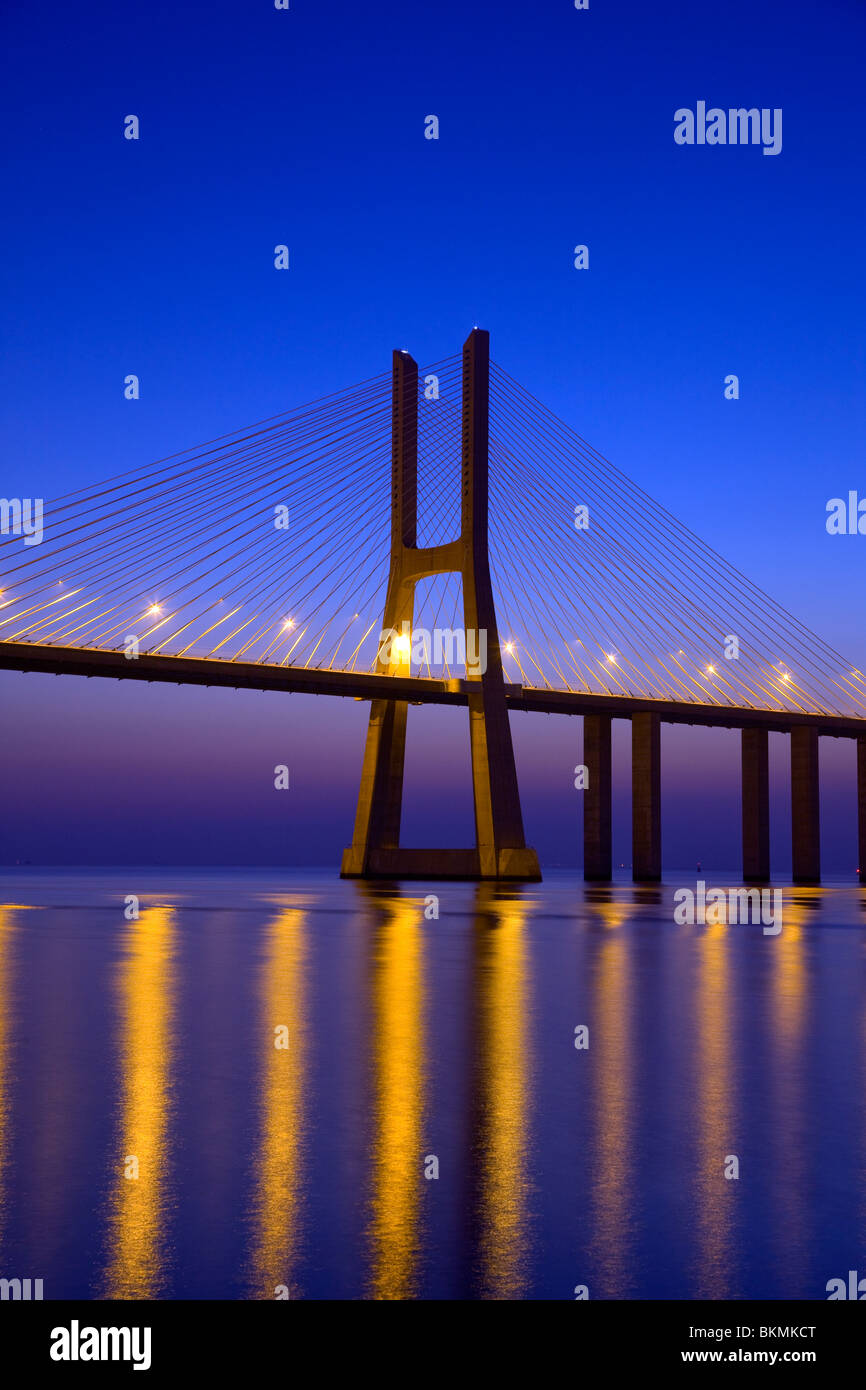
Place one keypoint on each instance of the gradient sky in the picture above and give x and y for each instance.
(261, 127)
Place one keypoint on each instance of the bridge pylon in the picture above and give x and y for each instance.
(500, 848)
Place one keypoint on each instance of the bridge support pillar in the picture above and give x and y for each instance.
(597, 858)
(500, 849)
(756, 805)
(646, 831)
(805, 820)
(380, 799)
(861, 808)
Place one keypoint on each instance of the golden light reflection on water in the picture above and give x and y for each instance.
(277, 1204)
(137, 1219)
(504, 1081)
(788, 1014)
(399, 1050)
(789, 977)
(716, 1136)
(611, 1044)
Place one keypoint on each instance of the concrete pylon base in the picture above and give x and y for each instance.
(516, 865)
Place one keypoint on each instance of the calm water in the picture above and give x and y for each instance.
(409, 1038)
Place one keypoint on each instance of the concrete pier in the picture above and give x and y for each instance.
(597, 860)
(805, 819)
(646, 830)
(756, 805)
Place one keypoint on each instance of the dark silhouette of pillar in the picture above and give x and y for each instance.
(498, 820)
(500, 848)
(861, 807)
(756, 805)
(646, 831)
(597, 859)
(805, 819)
(377, 819)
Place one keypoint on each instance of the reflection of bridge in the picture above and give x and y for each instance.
(258, 561)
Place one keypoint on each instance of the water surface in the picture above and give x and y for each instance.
(410, 1044)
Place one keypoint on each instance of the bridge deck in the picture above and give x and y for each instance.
(359, 685)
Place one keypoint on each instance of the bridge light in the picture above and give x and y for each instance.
(403, 647)
(711, 670)
(509, 647)
(288, 623)
(154, 608)
(785, 676)
(611, 656)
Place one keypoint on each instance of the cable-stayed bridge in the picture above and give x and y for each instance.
(437, 536)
